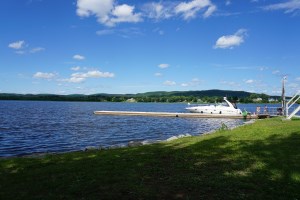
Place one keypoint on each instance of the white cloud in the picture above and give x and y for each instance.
(42, 75)
(298, 79)
(250, 81)
(17, 45)
(107, 11)
(80, 77)
(163, 66)
(289, 6)
(190, 9)
(77, 68)
(100, 8)
(230, 41)
(37, 49)
(158, 74)
(78, 57)
(94, 74)
(276, 72)
(124, 13)
(170, 83)
(75, 80)
(159, 10)
(21, 48)
(110, 13)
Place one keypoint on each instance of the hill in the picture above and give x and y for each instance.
(158, 96)
(201, 93)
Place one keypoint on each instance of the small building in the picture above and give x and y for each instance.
(131, 100)
(272, 100)
(257, 99)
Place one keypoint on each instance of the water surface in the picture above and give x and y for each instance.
(28, 127)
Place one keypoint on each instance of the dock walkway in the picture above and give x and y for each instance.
(172, 114)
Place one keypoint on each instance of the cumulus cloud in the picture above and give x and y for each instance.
(110, 13)
(22, 48)
(288, 7)
(163, 65)
(170, 83)
(230, 41)
(78, 57)
(17, 44)
(107, 12)
(94, 74)
(80, 77)
(159, 10)
(100, 8)
(124, 13)
(190, 9)
(42, 75)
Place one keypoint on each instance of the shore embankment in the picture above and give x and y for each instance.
(258, 160)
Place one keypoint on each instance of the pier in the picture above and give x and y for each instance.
(172, 114)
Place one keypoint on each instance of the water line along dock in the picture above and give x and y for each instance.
(172, 114)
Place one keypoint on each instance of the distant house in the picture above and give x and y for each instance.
(131, 100)
(257, 99)
(271, 100)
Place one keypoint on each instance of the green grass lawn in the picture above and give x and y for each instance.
(256, 161)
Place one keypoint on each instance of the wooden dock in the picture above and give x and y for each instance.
(171, 114)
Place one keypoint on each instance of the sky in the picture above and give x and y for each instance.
(128, 47)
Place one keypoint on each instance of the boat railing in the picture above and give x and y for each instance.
(268, 110)
(292, 108)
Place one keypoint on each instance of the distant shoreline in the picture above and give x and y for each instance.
(203, 96)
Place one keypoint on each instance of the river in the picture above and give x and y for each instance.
(30, 127)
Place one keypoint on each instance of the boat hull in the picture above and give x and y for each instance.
(213, 110)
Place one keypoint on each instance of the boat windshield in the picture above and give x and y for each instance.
(224, 103)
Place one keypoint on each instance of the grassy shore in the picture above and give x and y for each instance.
(256, 161)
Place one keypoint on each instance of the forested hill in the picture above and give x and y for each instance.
(201, 93)
(160, 96)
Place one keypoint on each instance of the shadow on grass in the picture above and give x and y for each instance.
(213, 168)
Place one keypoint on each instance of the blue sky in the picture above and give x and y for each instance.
(125, 46)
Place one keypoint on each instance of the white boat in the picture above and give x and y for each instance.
(224, 108)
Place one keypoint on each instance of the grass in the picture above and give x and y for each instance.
(256, 161)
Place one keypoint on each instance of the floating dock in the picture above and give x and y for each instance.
(171, 114)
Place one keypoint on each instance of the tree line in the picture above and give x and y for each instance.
(252, 98)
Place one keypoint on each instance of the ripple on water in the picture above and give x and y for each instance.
(28, 127)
